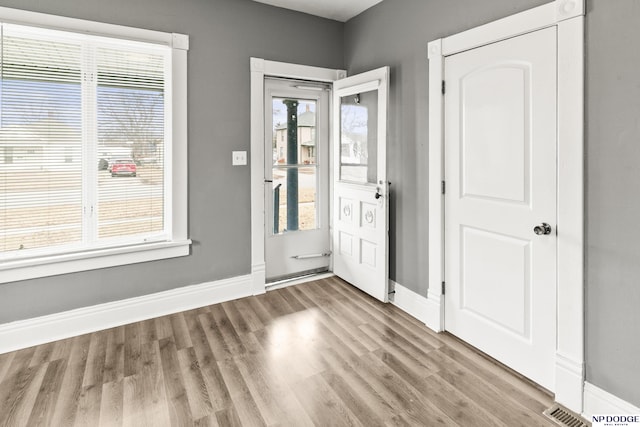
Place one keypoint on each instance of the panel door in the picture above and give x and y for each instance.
(500, 172)
(360, 191)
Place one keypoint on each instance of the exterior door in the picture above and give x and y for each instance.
(360, 191)
(500, 175)
(296, 178)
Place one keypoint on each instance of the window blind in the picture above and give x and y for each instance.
(73, 109)
(130, 112)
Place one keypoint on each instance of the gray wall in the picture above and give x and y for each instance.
(395, 33)
(613, 206)
(223, 35)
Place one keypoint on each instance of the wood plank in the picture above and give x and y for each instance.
(111, 404)
(248, 314)
(21, 360)
(229, 417)
(179, 409)
(94, 371)
(392, 386)
(271, 395)
(41, 355)
(45, 404)
(89, 406)
(323, 406)
(180, 331)
(216, 387)
(144, 398)
(229, 335)
(132, 343)
(17, 401)
(5, 363)
(67, 404)
(163, 327)
(352, 400)
(208, 421)
(214, 337)
(113, 369)
(237, 319)
(194, 383)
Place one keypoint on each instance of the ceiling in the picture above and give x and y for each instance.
(340, 10)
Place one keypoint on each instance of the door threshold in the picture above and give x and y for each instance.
(297, 280)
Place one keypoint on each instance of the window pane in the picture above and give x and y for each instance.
(130, 103)
(40, 142)
(304, 212)
(301, 114)
(359, 137)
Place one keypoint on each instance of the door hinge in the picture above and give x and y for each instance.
(444, 87)
(444, 187)
(443, 288)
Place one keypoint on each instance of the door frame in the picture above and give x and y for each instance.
(568, 17)
(261, 68)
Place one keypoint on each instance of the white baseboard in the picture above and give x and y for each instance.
(410, 302)
(600, 402)
(259, 278)
(435, 319)
(569, 381)
(53, 327)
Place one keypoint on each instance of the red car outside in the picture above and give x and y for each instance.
(123, 167)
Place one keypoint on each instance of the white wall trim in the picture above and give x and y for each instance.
(258, 279)
(569, 381)
(27, 333)
(600, 402)
(259, 69)
(83, 26)
(410, 302)
(568, 17)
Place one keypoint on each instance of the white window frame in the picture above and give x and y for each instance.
(176, 175)
(568, 17)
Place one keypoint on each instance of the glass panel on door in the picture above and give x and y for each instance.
(358, 137)
(294, 171)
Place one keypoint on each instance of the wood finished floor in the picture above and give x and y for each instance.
(321, 353)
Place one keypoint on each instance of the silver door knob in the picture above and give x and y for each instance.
(542, 229)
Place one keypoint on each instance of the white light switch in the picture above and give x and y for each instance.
(239, 158)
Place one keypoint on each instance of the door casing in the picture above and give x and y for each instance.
(568, 16)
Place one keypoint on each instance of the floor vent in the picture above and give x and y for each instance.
(565, 418)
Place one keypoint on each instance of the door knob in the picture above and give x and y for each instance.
(378, 195)
(542, 229)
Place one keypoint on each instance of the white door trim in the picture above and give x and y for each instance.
(568, 16)
(259, 69)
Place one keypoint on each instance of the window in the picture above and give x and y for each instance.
(92, 154)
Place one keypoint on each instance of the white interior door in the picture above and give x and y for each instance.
(500, 173)
(360, 190)
(296, 178)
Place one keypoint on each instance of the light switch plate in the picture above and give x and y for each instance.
(239, 158)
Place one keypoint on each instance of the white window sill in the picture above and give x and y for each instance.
(52, 265)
